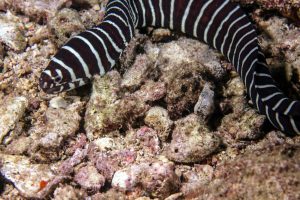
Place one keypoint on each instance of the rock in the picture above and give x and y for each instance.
(37, 9)
(138, 72)
(58, 102)
(107, 111)
(89, 178)
(205, 105)
(184, 64)
(161, 34)
(248, 124)
(49, 134)
(19, 146)
(158, 119)
(105, 143)
(66, 23)
(157, 179)
(287, 8)
(11, 111)
(86, 2)
(10, 34)
(30, 179)
(199, 177)
(148, 139)
(191, 141)
(151, 91)
(68, 192)
(256, 175)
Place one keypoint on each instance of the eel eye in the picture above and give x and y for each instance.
(57, 79)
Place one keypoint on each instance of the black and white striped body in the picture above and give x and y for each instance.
(219, 23)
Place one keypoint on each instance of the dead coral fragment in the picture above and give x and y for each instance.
(25, 176)
(151, 91)
(10, 34)
(148, 139)
(59, 124)
(89, 178)
(11, 111)
(247, 122)
(138, 72)
(36, 9)
(288, 8)
(68, 192)
(158, 179)
(158, 119)
(191, 141)
(256, 175)
(205, 105)
(67, 22)
(105, 112)
(184, 64)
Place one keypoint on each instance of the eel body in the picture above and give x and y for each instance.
(219, 23)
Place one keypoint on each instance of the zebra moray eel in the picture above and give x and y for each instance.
(220, 23)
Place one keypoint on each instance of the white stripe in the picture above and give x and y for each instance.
(289, 108)
(133, 13)
(45, 85)
(199, 17)
(278, 103)
(257, 99)
(268, 116)
(270, 96)
(83, 64)
(244, 47)
(264, 75)
(240, 40)
(246, 58)
(136, 13)
(227, 33)
(119, 30)
(186, 12)
(152, 13)
(294, 125)
(162, 16)
(213, 18)
(278, 121)
(253, 63)
(59, 73)
(171, 14)
(221, 26)
(81, 82)
(120, 18)
(264, 86)
(250, 89)
(63, 65)
(263, 64)
(61, 89)
(247, 73)
(144, 12)
(233, 39)
(121, 10)
(110, 40)
(72, 86)
(122, 3)
(48, 72)
(99, 63)
(261, 53)
(112, 61)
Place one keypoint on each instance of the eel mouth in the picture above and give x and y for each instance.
(49, 86)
